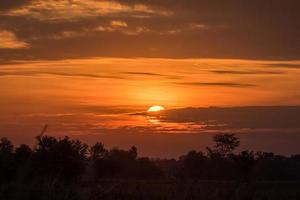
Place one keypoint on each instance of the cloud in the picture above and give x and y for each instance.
(29, 72)
(118, 23)
(218, 84)
(67, 74)
(142, 28)
(246, 72)
(172, 77)
(121, 27)
(264, 117)
(11, 4)
(8, 40)
(76, 9)
(143, 73)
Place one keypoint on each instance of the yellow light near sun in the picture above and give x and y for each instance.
(155, 108)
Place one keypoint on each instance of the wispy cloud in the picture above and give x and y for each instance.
(67, 74)
(143, 73)
(218, 84)
(247, 72)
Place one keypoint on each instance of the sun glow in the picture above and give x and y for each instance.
(155, 109)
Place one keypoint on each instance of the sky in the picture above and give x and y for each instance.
(90, 69)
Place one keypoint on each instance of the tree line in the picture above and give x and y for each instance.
(69, 160)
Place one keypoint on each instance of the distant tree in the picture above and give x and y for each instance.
(6, 147)
(146, 169)
(243, 165)
(121, 162)
(63, 158)
(194, 165)
(171, 168)
(225, 144)
(45, 143)
(293, 168)
(23, 152)
(133, 152)
(118, 163)
(97, 151)
(271, 167)
(7, 162)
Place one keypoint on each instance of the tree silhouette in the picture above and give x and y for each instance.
(225, 144)
(6, 147)
(23, 152)
(97, 151)
(133, 152)
(64, 159)
(243, 165)
(194, 164)
(7, 162)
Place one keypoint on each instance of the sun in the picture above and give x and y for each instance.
(155, 108)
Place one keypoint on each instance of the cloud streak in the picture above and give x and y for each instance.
(218, 84)
(143, 73)
(247, 72)
(66, 74)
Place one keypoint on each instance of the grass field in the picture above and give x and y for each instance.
(153, 190)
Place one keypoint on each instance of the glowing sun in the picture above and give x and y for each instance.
(155, 109)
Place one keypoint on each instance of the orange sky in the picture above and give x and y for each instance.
(95, 98)
(91, 69)
(144, 82)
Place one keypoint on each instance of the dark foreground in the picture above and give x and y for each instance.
(154, 190)
(65, 169)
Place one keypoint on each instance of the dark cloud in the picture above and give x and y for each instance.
(143, 73)
(218, 84)
(153, 74)
(255, 29)
(10, 4)
(264, 117)
(67, 74)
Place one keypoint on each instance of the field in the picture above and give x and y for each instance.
(154, 190)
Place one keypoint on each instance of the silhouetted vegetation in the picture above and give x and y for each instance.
(63, 168)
